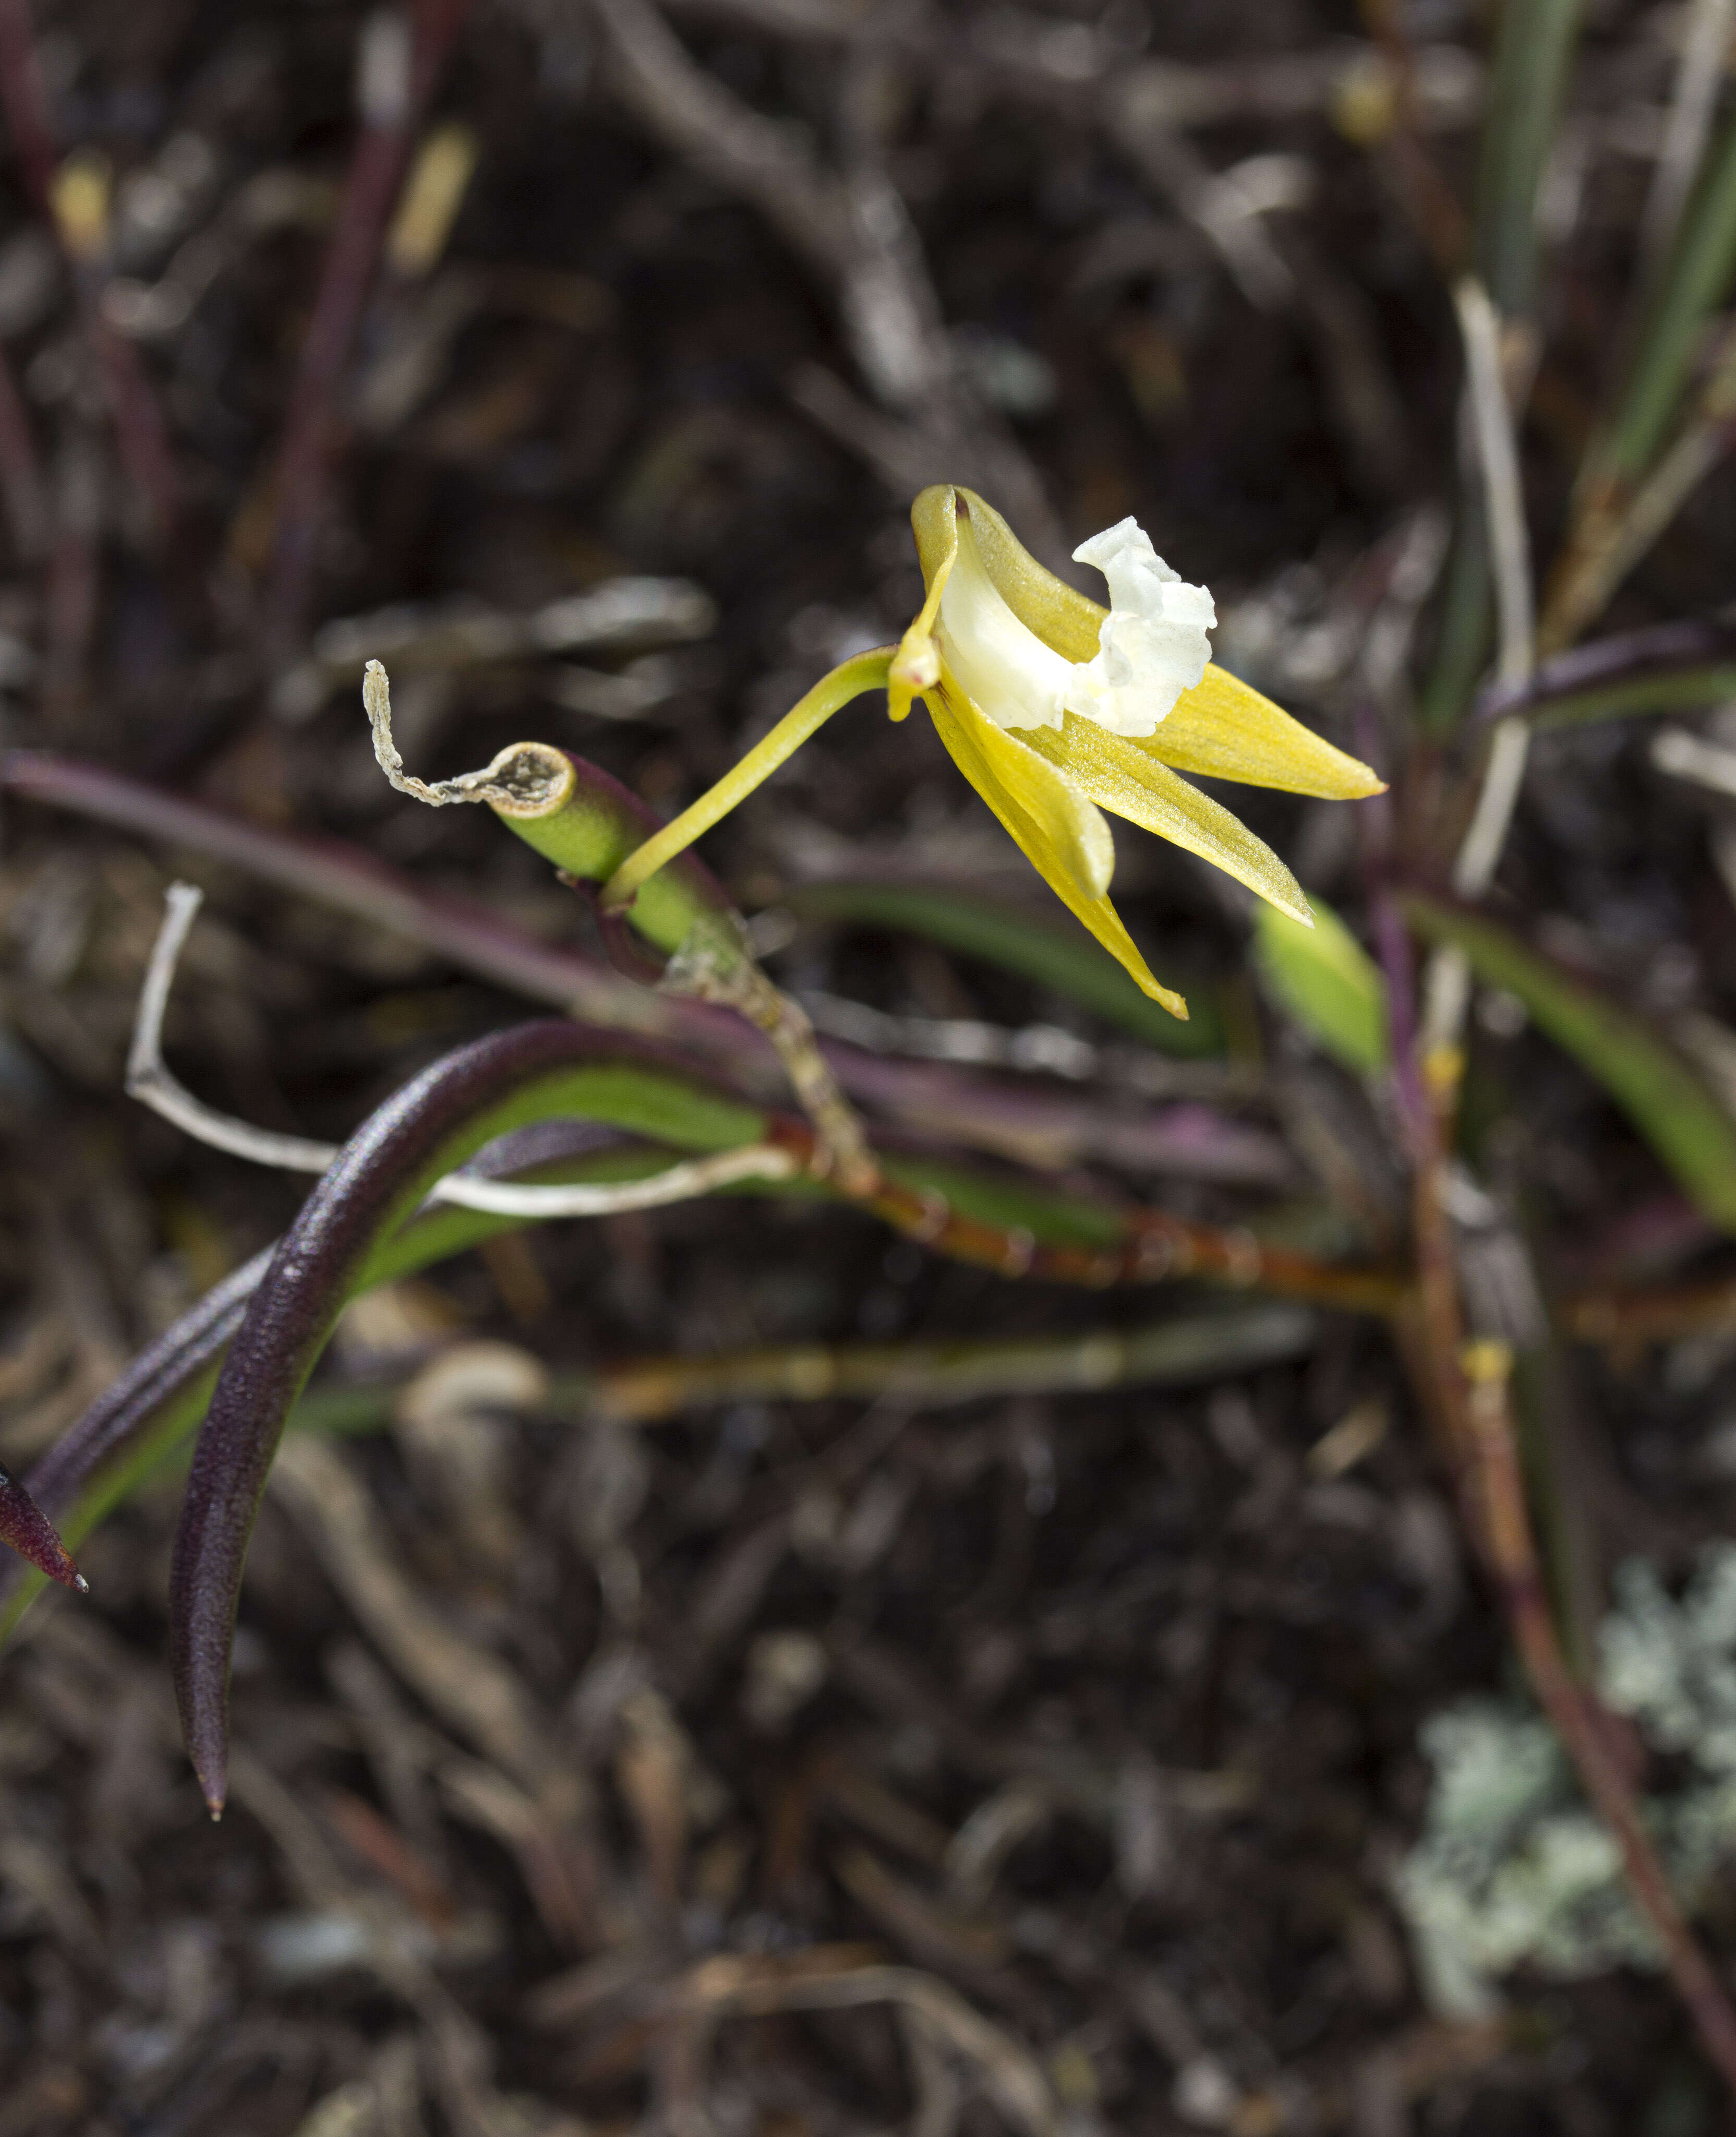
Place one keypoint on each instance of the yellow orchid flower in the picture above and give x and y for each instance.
(1055, 709)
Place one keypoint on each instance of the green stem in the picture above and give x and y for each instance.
(586, 824)
(866, 671)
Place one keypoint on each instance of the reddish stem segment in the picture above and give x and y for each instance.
(21, 471)
(1610, 663)
(312, 428)
(1504, 1527)
(24, 98)
(141, 434)
(1627, 1321)
(1464, 1387)
(1153, 1247)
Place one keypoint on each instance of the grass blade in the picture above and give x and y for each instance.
(1654, 1085)
(1324, 978)
(1533, 55)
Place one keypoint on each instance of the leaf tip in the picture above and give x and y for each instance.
(29, 1531)
(213, 1775)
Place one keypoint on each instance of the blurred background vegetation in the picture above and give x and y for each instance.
(735, 1668)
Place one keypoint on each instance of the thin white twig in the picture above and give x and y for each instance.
(1492, 420)
(1448, 986)
(1684, 755)
(1445, 998)
(1483, 841)
(149, 1080)
(676, 1183)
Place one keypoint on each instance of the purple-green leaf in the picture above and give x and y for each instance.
(431, 1126)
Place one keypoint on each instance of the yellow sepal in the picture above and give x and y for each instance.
(934, 522)
(1077, 840)
(1122, 775)
(1224, 729)
(1059, 832)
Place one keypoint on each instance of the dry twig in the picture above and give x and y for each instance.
(1449, 976)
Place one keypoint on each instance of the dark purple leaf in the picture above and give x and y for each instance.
(159, 1373)
(30, 1532)
(391, 1159)
(155, 1374)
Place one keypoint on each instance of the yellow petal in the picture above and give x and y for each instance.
(1121, 775)
(1059, 832)
(1225, 730)
(1061, 616)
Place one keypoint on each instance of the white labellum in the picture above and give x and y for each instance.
(1153, 645)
